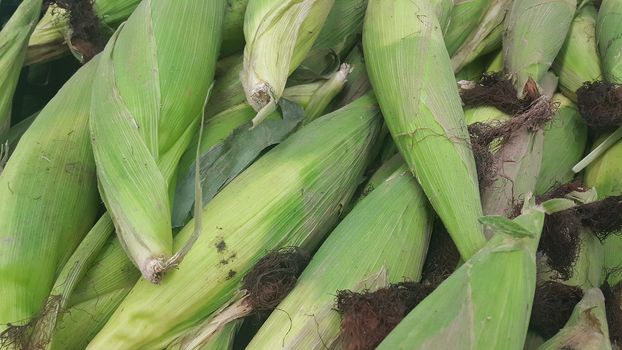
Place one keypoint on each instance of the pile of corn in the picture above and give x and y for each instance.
(310, 174)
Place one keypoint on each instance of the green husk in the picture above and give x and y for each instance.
(473, 70)
(496, 65)
(482, 33)
(357, 83)
(587, 327)
(15, 133)
(49, 200)
(279, 34)
(535, 31)
(382, 174)
(565, 139)
(384, 237)
(148, 98)
(473, 306)
(609, 39)
(223, 339)
(51, 38)
(13, 42)
(410, 71)
(317, 170)
(577, 61)
(68, 278)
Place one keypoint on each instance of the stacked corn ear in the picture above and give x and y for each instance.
(577, 61)
(472, 306)
(519, 160)
(68, 278)
(13, 42)
(51, 38)
(587, 327)
(604, 175)
(410, 71)
(316, 169)
(145, 105)
(387, 233)
(608, 36)
(49, 200)
(565, 139)
(475, 29)
(278, 34)
(95, 298)
(534, 26)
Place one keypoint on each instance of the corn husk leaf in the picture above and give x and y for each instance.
(472, 306)
(388, 229)
(609, 39)
(410, 71)
(49, 200)
(587, 327)
(145, 106)
(317, 170)
(535, 31)
(578, 61)
(13, 42)
(279, 34)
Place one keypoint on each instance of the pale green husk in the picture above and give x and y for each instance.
(411, 74)
(279, 34)
(148, 99)
(315, 171)
(486, 303)
(535, 31)
(387, 232)
(578, 61)
(609, 38)
(13, 42)
(587, 327)
(49, 200)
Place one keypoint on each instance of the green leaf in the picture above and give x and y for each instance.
(223, 162)
(501, 224)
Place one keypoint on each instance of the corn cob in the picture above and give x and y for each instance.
(552, 19)
(609, 41)
(51, 38)
(471, 307)
(279, 34)
(317, 170)
(577, 61)
(362, 244)
(416, 90)
(482, 34)
(39, 226)
(144, 105)
(13, 41)
(587, 327)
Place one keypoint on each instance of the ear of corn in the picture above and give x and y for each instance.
(68, 278)
(49, 200)
(145, 106)
(13, 42)
(316, 169)
(49, 39)
(565, 138)
(587, 327)
(388, 229)
(409, 69)
(527, 22)
(577, 61)
(472, 306)
(609, 38)
(479, 35)
(279, 34)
